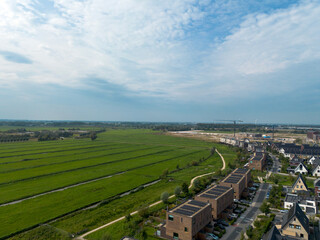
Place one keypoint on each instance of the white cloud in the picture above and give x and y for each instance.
(142, 45)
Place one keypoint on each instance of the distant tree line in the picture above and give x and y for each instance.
(47, 135)
(14, 138)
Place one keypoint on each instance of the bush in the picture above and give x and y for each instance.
(177, 191)
(164, 197)
(144, 212)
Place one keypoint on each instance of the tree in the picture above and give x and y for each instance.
(265, 208)
(165, 173)
(185, 188)
(275, 179)
(164, 197)
(213, 149)
(142, 235)
(177, 191)
(93, 136)
(196, 183)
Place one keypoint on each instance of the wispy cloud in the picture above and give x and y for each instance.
(183, 50)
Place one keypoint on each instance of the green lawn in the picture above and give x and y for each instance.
(141, 154)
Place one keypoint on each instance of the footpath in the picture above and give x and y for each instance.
(82, 237)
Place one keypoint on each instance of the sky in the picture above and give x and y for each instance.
(149, 60)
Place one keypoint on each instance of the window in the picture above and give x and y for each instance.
(291, 226)
(175, 235)
(186, 229)
(301, 235)
(170, 217)
(298, 227)
(294, 219)
(181, 219)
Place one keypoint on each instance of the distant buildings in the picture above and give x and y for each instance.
(291, 149)
(313, 136)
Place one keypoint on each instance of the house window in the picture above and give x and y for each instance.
(301, 235)
(298, 227)
(170, 217)
(181, 219)
(186, 229)
(175, 235)
(291, 226)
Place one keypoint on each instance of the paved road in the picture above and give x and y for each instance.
(234, 232)
(276, 164)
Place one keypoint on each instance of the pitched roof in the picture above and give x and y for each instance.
(296, 211)
(315, 166)
(316, 182)
(301, 178)
(302, 165)
(273, 234)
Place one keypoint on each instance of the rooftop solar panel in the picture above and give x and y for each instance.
(183, 212)
(190, 208)
(208, 196)
(241, 170)
(221, 187)
(197, 203)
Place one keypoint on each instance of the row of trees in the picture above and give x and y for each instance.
(14, 138)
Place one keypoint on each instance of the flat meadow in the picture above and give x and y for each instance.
(62, 179)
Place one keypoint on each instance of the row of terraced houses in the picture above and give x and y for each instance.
(187, 220)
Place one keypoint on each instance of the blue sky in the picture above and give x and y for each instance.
(144, 60)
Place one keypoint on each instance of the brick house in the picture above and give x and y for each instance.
(257, 161)
(219, 197)
(235, 181)
(186, 220)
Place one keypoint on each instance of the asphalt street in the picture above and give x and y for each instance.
(234, 232)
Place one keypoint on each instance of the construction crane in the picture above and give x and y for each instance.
(234, 124)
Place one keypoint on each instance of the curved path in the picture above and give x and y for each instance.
(153, 204)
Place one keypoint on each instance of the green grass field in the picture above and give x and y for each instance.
(129, 157)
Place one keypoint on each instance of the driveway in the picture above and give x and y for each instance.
(234, 232)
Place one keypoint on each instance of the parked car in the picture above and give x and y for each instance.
(233, 215)
(238, 211)
(244, 201)
(236, 200)
(212, 236)
(223, 222)
(256, 185)
(252, 189)
(284, 211)
(221, 226)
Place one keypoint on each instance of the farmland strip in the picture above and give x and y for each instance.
(70, 170)
(79, 159)
(112, 173)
